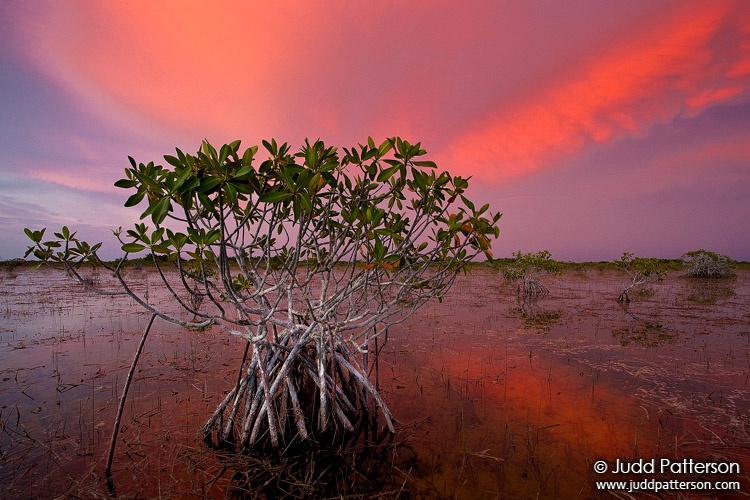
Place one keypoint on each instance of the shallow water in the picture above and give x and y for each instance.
(495, 398)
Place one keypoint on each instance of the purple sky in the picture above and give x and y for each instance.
(595, 127)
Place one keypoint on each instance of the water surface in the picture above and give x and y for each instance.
(495, 397)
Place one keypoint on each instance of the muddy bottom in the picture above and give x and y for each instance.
(494, 397)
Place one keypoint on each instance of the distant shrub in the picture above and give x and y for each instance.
(12, 264)
(640, 270)
(527, 268)
(706, 264)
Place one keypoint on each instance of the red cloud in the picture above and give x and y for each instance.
(240, 69)
(191, 66)
(697, 58)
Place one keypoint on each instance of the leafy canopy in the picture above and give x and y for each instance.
(380, 207)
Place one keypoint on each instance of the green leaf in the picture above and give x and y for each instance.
(243, 171)
(149, 180)
(306, 203)
(311, 158)
(386, 146)
(132, 247)
(419, 179)
(224, 153)
(388, 173)
(314, 181)
(126, 183)
(161, 209)
(231, 194)
(157, 235)
(175, 162)
(275, 196)
(206, 203)
(212, 236)
(135, 199)
(161, 248)
(468, 202)
(208, 183)
(241, 187)
(209, 150)
(426, 163)
(182, 177)
(271, 147)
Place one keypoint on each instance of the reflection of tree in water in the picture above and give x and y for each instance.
(644, 293)
(709, 291)
(535, 315)
(642, 331)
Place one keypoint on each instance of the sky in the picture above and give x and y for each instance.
(595, 127)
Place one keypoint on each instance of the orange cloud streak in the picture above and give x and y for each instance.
(187, 65)
(673, 69)
(238, 69)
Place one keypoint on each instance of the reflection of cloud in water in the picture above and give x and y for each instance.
(674, 371)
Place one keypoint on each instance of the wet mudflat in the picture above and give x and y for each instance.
(495, 397)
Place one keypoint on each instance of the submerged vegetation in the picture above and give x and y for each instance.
(309, 257)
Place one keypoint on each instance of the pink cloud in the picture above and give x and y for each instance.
(653, 75)
(246, 69)
(450, 76)
(186, 65)
(71, 179)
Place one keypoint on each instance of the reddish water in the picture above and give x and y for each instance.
(495, 398)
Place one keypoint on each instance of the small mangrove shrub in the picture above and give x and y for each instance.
(307, 256)
(527, 269)
(707, 264)
(640, 270)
